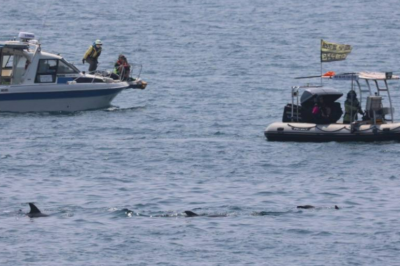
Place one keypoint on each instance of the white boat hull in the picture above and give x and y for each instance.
(58, 98)
(282, 131)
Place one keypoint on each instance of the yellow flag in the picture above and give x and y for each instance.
(334, 51)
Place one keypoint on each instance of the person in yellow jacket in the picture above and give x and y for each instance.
(92, 54)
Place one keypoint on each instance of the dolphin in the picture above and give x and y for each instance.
(190, 214)
(35, 212)
(305, 207)
(127, 212)
(312, 207)
(193, 214)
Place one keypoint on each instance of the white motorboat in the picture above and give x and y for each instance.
(35, 81)
(377, 124)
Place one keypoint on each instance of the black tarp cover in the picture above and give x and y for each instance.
(330, 95)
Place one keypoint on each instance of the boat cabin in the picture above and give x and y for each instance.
(13, 62)
(23, 62)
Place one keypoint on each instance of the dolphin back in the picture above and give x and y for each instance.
(191, 214)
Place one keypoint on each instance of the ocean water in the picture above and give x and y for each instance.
(116, 182)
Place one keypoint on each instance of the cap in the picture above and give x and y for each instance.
(98, 42)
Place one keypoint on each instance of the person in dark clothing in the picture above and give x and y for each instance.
(351, 107)
(92, 54)
(321, 112)
(122, 68)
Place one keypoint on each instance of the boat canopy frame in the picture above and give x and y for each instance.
(10, 48)
(369, 77)
(1, 62)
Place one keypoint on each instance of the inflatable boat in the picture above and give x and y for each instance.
(377, 124)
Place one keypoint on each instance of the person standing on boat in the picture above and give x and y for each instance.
(92, 54)
(351, 107)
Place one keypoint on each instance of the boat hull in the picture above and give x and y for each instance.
(308, 132)
(58, 98)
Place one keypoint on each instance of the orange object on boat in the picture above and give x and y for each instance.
(329, 74)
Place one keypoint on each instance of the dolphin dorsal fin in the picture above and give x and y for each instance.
(34, 209)
(191, 214)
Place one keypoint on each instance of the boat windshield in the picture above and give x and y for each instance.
(66, 68)
(50, 69)
(6, 60)
(13, 66)
(6, 68)
(19, 67)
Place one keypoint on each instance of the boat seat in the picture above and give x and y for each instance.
(6, 76)
(374, 103)
(386, 110)
(374, 109)
(6, 72)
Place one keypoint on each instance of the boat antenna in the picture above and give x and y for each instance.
(321, 73)
(44, 21)
(352, 98)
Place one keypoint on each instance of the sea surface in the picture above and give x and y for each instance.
(116, 182)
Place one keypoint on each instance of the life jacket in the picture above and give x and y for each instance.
(92, 52)
(117, 66)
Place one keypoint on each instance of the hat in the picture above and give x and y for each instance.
(98, 42)
(351, 94)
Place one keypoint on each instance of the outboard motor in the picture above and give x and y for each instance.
(287, 113)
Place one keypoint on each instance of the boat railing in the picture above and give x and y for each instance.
(131, 70)
(379, 89)
(295, 94)
(111, 75)
(372, 79)
(139, 68)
